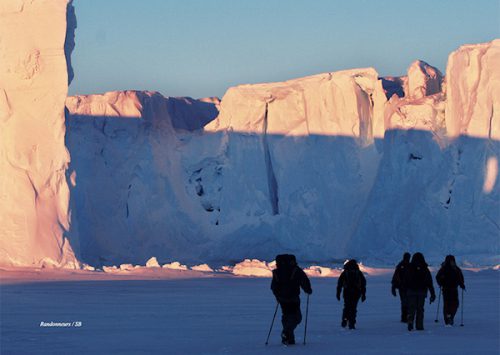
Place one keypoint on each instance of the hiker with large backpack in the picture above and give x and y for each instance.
(449, 277)
(397, 284)
(353, 282)
(417, 281)
(288, 278)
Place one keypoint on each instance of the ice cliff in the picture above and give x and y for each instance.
(132, 194)
(437, 186)
(33, 158)
(328, 166)
(277, 168)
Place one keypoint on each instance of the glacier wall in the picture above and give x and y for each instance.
(300, 157)
(33, 87)
(329, 166)
(127, 178)
(437, 188)
(276, 169)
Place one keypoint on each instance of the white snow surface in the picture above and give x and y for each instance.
(232, 315)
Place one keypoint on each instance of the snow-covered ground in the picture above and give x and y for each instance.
(230, 315)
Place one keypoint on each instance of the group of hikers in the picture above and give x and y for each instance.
(411, 278)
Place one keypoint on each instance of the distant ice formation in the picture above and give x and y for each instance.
(329, 166)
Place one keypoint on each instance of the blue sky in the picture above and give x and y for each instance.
(201, 48)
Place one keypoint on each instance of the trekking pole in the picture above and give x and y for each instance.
(462, 321)
(437, 311)
(275, 311)
(307, 313)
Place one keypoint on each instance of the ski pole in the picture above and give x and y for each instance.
(307, 313)
(462, 321)
(271, 328)
(437, 311)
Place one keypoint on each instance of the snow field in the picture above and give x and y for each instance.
(231, 315)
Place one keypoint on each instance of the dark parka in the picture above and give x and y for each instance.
(353, 282)
(397, 283)
(449, 278)
(288, 279)
(418, 281)
(418, 278)
(399, 274)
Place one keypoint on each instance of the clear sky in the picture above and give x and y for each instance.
(201, 48)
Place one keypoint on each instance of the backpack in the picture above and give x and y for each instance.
(286, 278)
(417, 277)
(352, 280)
(449, 277)
(399, 276)
(285, 261)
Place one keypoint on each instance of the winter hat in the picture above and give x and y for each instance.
(418, 259)
(450, 260)
(285, 260)
(352, 264)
